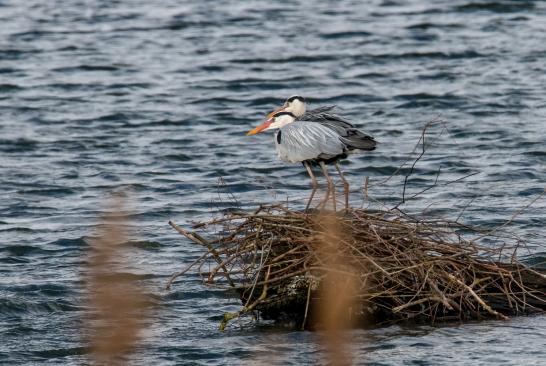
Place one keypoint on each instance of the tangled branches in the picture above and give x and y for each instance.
(404, 268)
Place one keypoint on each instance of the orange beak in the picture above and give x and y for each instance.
(260, 128)
(280, 109)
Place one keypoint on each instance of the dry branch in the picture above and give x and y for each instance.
(405, 269)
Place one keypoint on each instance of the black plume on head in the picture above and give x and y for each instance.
(283, 113)
(292, 98)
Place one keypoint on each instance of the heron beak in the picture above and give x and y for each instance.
(260, 128)
(280, 109)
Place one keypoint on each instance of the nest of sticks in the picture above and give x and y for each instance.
(390, 266)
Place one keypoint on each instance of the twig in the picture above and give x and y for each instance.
(478, 299)
(199, 240)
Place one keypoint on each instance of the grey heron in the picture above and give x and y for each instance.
(316, 142)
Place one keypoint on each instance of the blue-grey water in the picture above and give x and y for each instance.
(96, 95)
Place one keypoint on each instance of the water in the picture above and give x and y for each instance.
(156, 95)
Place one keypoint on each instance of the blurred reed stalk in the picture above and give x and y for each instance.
(340, 287)
(116, 305)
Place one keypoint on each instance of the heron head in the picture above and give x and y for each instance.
(278, 120)
(295, 105)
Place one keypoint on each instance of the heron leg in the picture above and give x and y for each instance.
(331, 187)
(345, 185)
(314, 183)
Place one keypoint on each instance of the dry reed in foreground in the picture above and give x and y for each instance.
(399, 268)
(338, 293)
(116, 306)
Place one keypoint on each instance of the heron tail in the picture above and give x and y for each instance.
(359, 141)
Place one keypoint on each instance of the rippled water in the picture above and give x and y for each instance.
(156, 95)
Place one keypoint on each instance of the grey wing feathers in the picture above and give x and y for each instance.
(317, 112)
(323, 114)
(356, 140)
(349, 135)
(306, 140)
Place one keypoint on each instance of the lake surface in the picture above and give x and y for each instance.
(157, 95)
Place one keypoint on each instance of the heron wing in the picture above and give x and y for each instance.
(348, 133)
(324, 115)
(357, 140)
(317, 111)
(306, 140)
